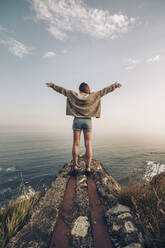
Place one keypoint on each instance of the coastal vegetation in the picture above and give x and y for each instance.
(148, 202)
(14, 215)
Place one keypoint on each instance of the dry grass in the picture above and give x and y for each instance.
(148, 201)
(13, 216)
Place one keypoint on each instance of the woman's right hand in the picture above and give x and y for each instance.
(49, 84)
(117, 85)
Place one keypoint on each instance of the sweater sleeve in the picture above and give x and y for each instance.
(106, 90)
(60, 89)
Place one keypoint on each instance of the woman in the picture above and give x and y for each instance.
(83, 107)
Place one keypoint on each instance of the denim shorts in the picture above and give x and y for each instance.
(82, 123)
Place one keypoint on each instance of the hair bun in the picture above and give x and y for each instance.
(84, 87)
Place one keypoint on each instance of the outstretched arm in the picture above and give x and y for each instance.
(58, 88)
(108, 89)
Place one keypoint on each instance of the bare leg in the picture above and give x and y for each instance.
(88, 146)
(75, 149)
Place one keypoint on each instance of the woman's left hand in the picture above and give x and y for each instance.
(49, 84)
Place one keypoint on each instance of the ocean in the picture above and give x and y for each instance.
(33, 158)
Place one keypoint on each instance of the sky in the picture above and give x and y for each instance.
(72, 41)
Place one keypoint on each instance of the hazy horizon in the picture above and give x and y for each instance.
(72, 41)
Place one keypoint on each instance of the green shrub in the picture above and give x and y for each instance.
(13, 216)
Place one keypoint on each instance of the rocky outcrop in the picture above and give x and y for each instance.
(38, 231)
(121, 226)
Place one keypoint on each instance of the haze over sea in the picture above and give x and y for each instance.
(34, 157)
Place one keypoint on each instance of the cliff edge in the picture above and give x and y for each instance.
(81, 211)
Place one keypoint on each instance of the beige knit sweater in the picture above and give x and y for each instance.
(88, 106)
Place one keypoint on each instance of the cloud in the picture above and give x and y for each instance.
(5, 30)
(16, 47)
(131, 63)
(64, 16)
(1, 28)
(153, 59)
(49, 54)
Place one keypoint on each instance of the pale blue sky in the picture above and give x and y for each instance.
(69, 42)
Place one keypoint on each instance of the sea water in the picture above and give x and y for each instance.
(33, 158)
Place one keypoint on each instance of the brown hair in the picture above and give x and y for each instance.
(84, 88)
